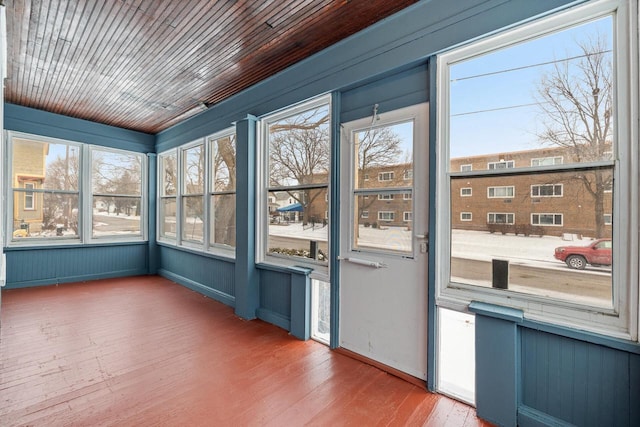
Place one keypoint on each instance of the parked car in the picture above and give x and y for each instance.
(596, 253)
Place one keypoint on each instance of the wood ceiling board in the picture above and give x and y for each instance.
(145, 64)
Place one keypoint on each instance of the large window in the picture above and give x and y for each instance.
(546, 107)
(222, 190)
(294, 173)
(168, 191)
(117, 193)
(197, 187)
(50, 177)
(192, 194)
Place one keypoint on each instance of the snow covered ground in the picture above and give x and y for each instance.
(476, 245)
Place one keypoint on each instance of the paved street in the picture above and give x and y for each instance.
(589, 283)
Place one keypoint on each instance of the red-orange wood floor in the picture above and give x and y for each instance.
(145, 351)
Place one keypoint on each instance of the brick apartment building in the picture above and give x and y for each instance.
(542, 203)
(536, 203)
(382, 208)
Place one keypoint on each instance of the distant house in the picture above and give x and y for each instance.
(28, 173)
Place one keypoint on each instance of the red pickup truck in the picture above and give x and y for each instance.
(597, 253)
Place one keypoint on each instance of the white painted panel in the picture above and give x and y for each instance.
(456, 351)
(383, 296)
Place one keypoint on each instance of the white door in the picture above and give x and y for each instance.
(383, 243)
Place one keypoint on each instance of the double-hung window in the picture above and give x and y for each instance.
(197, 194)
(117, 179)
(45, 181)
(222, 190)
(192, 194)
(167, 191)
(558, 97)
(70, 192)
(294, 171)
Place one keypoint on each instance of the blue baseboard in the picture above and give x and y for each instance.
(274, 318)
(79, 278)
(530, 417)
(199, 287)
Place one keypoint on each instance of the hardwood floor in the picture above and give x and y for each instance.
(145, 351)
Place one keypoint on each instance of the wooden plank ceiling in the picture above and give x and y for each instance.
(149, 64)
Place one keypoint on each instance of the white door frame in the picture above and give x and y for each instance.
(383, 317)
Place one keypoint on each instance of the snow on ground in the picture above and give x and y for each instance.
(297, 231)
(485, 246)
(467, 244)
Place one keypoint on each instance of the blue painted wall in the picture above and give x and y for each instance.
(52, 265)
(48, 265)
(560, 378)
(577, 382)
(38, 122)
(536, 374)
(398, 90)
(275, 297)
(201, 272)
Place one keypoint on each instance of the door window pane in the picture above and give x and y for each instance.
(385, 152)
(383, 217)
(383, 225)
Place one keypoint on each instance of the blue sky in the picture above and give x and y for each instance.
(475, 131)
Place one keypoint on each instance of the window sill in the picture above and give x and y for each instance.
(496, 311)
(227, 256)
(305, 270)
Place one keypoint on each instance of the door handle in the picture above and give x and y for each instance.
(424, 246)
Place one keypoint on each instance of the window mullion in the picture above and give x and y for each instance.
(207, 209)
(85, 216)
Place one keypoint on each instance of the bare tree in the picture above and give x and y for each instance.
(576, 100)
(224, 179)
(376, 147)
(299, 153)
(62, 174)
(120, 175)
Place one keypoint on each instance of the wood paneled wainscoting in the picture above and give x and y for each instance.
(146, 351)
